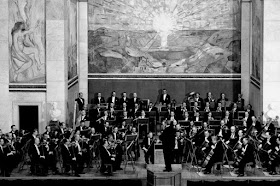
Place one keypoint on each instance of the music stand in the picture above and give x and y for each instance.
(143, 122)
(129, 121)
(131, 137)
(214, 122)
(184, 123)
(104, 105)
(198, 123)
(217, 115)
(212, 105)
(238, 123)
(111, 122)
(241, 114)
(95, 137)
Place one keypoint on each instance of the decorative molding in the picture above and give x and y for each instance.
(255, 82)
(171, 77)
(73, 81)
(15, 87)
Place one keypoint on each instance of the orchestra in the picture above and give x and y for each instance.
(185, 131)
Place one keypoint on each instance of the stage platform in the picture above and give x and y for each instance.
(138, 177)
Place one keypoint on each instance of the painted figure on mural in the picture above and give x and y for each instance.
(27, 41)
(23, 55)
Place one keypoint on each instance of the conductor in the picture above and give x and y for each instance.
(168, 143)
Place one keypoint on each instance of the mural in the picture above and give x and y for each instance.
(164, 37)
(27, 41)
(72, 42)
(257, 38)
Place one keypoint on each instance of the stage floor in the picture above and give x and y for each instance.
(140, 172)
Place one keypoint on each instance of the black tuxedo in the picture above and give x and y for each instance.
(67, 155)
(106, 159)
(36, 159)
(124, 101)
(149, 155)
(81, 103)
(133, 101)
(3, 164)
(116, 103)
(246, 158)
(97, 100)
(166, 101)
(216, 157)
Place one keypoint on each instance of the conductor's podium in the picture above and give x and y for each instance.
(158, 153)
(156, 176)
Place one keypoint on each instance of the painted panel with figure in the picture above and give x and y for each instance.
(72, 40)
(27, 41)
(164, 37)
(257, 19)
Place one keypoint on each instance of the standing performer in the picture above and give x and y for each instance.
(168, 143)
(147, 146)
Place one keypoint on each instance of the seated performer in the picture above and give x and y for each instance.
(68, 157)
(106, 158)
(274, 157)
(247, 155)
(3, 157)
(148, 148)
(37, 157)
(215, 155)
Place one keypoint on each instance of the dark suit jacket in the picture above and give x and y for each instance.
(167, 138)
(97, 101)
(117, 101)
(66, 154)
(146, 145)
(105, 157)
(132, 102)
(34, 156)
(124, 101)
(81, 103)
(249, 154)
(2, 157)
(166, 101)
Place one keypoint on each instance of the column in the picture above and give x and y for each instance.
(56, 57)
(83, 47)
(246, 23)
(6, 108)
(271, 58)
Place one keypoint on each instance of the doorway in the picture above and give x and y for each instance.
(28, 117)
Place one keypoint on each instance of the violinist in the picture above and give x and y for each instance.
(106, 158)
(12, 156)
(223, 131)
(118, 139)
(148, 148)
(37, 157)
(116, 150)
(84, 144)
(178, 148)
(68, 157)
(247, 155)
(275, 157)
(265, 148)
(204, 145)
(48, 150)
(105, 129)
(231, 141)
(215, 155)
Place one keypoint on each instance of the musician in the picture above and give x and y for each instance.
(234, 111)
(134, 100)
(209, 98)
(222, 99)
(178, 147)
(164, 98)
(256, 124)
(275, 157)
(198, 99)
(215, 155)
(196, 107)
(247, 155)
(185, 117)
(37, 157)
(115, 141)
(48, 149)
(227, 119)
(197, 117)
(124, 99)
(78, 153)
(82, 127)
(207, 107)
(14, 132)
(135, 110)
(209, 117)
(99, 99)
(223, 132)
(168, 143)
(203, 147)
(219, 107)
(106, 158)
(3, 156)
(111, 111)
(96, 113)
(68, 157)
(84, 144)
(113, 99)
(240, 101)
(124, 107)
(151, 107)
(148, 148)
(233, 138)
(82, 117)
(48, 131)
(265, 148)
(105, 129)
(250, 110)
(80, 101)
(172, 116)
(180, 110)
